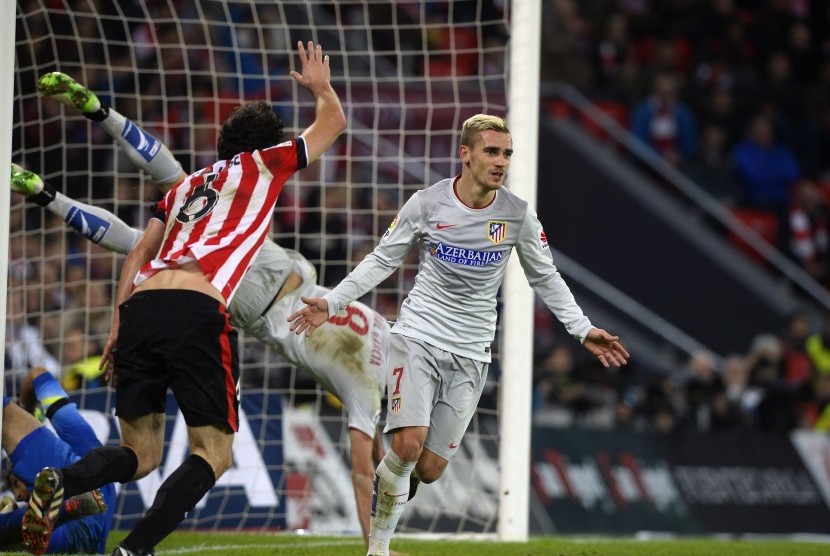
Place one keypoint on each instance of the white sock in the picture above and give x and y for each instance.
(391, 493)
(143, 150)
(96, 224)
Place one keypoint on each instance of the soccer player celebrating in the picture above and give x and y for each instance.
(465, 228)
(269, 292)
(84, 521)
(172, 327)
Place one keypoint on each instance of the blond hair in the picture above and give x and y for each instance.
(474, 125)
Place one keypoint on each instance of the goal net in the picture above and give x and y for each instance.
(408, 73)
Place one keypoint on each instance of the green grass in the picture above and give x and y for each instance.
(261, 544)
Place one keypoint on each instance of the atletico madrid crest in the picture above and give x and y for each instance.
(496, 231)
(395, 405)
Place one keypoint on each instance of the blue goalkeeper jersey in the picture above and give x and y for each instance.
(42, 448)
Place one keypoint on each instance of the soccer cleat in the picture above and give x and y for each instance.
(86, 504)
(121, 551)
(63, 88)
(7, 504)
(44, 506)
(25, 182)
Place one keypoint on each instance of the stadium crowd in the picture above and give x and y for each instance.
(733, 93)
(780, 383)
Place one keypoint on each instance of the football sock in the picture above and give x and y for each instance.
(96, 224)
(177, 495)
(391, 494)
(102, 465)
(48, 391)
(143, 150)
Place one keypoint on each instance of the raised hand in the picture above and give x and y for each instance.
(314, 73)
(311, 317)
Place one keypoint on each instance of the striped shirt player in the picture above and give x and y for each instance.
(220, 216)
(347, 358)
(172, 328)
(465, 229)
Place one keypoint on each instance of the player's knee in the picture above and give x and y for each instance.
(222, 464)
(147, 463)
(407, 448)
(219, 460)
(429, 473)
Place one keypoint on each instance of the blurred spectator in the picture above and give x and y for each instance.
(712, 168)
(774, 404)
(566, 48)
(665, 123)
(767, 169)
(24, 347)
(730, 408)
(557, 385)
(821, 404)
(615, 64)
(798, 367)
(81, 357)
(809, 218)
(661, 405)
(700, 385)
(783, 97)
(818, 348)
(719, 109)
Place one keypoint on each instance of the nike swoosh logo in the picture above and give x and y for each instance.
(395, 495)
(453, 446)
(440, 226)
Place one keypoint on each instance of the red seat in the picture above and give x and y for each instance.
(764, 223)
(617, 111)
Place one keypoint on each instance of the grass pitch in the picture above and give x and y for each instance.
(261, 544)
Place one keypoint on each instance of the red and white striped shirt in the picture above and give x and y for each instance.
(219, 216)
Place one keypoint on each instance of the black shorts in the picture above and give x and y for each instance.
(183, 340)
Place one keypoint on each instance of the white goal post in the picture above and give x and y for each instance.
(409, 74)
(6, 97)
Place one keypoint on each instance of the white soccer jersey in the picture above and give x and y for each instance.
(346, 356)
(463, 257)
(220, 215)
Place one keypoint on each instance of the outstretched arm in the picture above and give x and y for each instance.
(329, 120)
(311, 317)
(606, 348)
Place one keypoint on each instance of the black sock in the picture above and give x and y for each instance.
(177, 495)
(46, 196)
(102, 465)
(100, 115)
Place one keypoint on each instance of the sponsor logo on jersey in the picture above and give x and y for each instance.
(391, 226)
(543, 239)
(496, 231)
(462, 256)
(395, 405)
